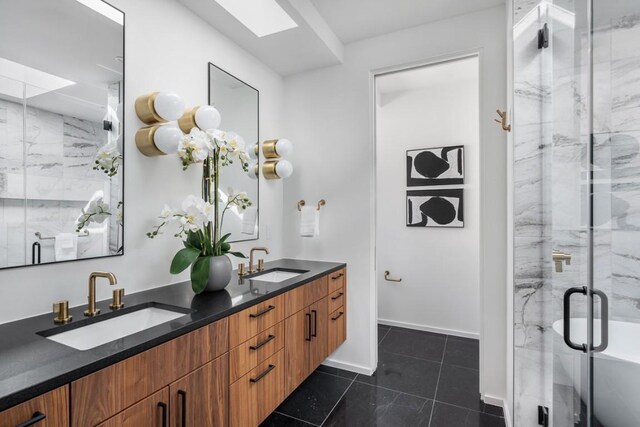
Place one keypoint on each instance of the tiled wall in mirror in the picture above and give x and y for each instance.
(61, 126)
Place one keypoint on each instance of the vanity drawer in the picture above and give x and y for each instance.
(54, 406)
(150, 412)
(256, 395)
(305, 295)
(247, 323)
(337, 299)
(249, 354)
(98, 396)
(337, 329)
(337, 280)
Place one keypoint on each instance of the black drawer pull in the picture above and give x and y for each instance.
(315, 323)
(263, 312)
(337, 277)
(183, 398)
(163, 406)
(308, 319)
(264, 374)
(338, 316)
(337, 296)
(266, 341)
(35, 418)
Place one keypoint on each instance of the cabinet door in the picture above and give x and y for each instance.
(319, 333)
(51, 408)
(200, 398)
(256, 395)
(150, 412)
(297, 331)
(337, 329)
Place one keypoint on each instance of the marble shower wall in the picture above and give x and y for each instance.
(551, 136)
(53, 169)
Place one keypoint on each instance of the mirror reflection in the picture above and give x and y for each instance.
(237, 103)
(61, 154)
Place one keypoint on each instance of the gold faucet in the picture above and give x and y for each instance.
(92, 310)
(265, 250)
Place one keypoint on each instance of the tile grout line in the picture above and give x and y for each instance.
(336, 404)
(384, 336)
(435, 393)
(297, 419)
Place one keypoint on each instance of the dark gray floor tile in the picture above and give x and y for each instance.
(459, 386)
(366, 405)
(314, 399)
(423, 345)
(493, 410)
(462, 352)
(279, 420)
(404, 374)
(382, 331)
(337, 372)
(449, 416)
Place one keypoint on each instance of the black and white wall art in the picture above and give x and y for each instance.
(435, 166)
(435, 208)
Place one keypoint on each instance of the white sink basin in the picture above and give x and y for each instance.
(276, 276)
(102, 332)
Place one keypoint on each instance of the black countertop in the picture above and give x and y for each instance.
(31, 364)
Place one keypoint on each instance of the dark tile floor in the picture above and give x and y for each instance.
(423, 380)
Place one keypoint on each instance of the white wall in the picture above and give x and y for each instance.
(157, 60)
(328, 116)
(439, 266)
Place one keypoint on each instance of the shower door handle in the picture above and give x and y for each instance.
(604, 321)
(567, 317)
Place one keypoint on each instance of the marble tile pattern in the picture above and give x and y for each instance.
(551, 137)
(47, 180)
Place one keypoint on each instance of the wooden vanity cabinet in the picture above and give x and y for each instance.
(150, 412)
(52, 409)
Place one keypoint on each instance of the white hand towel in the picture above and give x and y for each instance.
(309, 221)
(249, 220)
(66, 246)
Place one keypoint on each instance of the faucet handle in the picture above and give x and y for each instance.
(116, 303)
(260, 264)
(61, 309)
(241, 269)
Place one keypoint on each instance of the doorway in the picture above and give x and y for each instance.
(427, 227)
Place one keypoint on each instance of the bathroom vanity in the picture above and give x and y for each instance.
(230, 360)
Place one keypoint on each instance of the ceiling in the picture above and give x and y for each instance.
(326, 26)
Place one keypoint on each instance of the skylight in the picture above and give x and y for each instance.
(104, 9)
(262, 17)
(38, 82)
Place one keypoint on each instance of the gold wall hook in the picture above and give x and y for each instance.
(503, 120)
(322, 202)
(387, 277)
(301, 203)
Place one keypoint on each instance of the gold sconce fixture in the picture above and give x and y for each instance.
(276, 148)
(203, 117)
(276, 169)
(301, 203)
(503, 120)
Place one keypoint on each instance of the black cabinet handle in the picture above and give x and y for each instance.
(315, 323)
(163, 407)
(262, 375)
(266, 341)
(338, 316)
(567, 317)
(308, 320)
(337, 296)
(35, 418)
(604, 322)
(337, 277)
(263, 312)
(183, 398)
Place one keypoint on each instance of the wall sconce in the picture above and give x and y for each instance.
(159, 107)
(276, 148)
(203, 117)
(158, 140)
(253, 170)
(276, 169)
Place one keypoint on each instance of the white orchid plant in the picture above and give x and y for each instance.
(96, 211)
(199, 219)
(108, 159)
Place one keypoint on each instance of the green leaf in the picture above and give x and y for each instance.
(183, 259)
(224, 238)
(225, 247)
(193, 241)
(200, 274)
(237, 254)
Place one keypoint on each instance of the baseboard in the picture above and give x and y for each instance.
(349, 367)
(507, 415)
(497, 401)
(429, 329)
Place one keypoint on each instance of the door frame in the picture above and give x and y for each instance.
(373, 190)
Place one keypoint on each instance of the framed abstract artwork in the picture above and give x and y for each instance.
(435, 166)
(435, 208)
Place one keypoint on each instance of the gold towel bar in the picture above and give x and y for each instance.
(301, 203)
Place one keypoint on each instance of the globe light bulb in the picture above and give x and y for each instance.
(169, 106)
(167, 138)
(208, 117)
(284, 169)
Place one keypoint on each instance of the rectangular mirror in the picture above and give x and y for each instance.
(61, 126)
(238, 105)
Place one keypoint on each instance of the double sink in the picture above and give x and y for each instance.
(93, 332)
